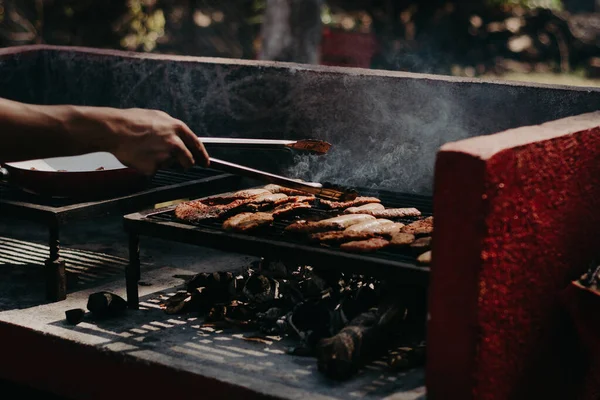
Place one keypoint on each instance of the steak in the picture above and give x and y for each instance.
(247, 221)
(401, 239)
(377, 227)
(330, 224)
(422, 244)
(365, 246)
(288, 208)
(394, 212)
(420, 227)
(359, 201)
(364, 208)
(425, 258)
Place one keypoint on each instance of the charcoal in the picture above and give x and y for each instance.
(259, 288)
(365, 337)
(106, 304)
(311, 321)
(216, 313)
(218, 286)
(314, 287)
(240, 312)
(289, 292)
(182, 303)
(361, 301)
(272, 314)
(274, 268)
(75, 315)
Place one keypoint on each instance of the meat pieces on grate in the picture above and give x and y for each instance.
(245, 222)
(331, 224)
(420, 227)
(359, 201)
(365, 246)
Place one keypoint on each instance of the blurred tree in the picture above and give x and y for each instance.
(291, 31)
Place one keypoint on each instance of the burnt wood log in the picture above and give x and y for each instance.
(366, 337)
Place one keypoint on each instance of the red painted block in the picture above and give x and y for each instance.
(517, 218)
(347, 49)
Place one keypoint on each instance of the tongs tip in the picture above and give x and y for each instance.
(311, 145)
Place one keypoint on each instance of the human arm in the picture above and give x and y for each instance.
(142, 139)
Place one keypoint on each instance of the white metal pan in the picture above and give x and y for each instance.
(87, 176)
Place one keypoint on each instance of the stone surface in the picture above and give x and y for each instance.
(387, 126)
(508, 239)
(149, 353)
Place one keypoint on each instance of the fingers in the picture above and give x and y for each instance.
(183, 155)
(194, 144)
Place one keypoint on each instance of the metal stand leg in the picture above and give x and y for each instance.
(133, 273)
(56, 280)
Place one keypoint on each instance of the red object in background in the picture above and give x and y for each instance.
(347, 49)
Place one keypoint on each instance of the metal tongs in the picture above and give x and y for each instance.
(318, 189)
(309, 145)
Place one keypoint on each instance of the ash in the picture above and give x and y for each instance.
(317, 308)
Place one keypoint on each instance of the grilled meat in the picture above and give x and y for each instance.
(301, 198)
(365, 246)
(280, 189)
(394, 212)
(421, 244)
(288, 208)
(359, 201)
(400, 239)
(377, 227)
(425, 258)
(199, 210)
(247, 221)
(340, 236)
(364, 209)
(360, 231)
(330, 224)
(196, 211)
(420, 227)
(229, 197)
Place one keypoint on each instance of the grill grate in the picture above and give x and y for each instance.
(276, 234)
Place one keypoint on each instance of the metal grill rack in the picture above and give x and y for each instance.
(397, 264)
(55, 213)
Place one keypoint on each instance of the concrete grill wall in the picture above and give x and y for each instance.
(508, 240)
(386, 127)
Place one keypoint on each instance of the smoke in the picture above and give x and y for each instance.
(385, 137)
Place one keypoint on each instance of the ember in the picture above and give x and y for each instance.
(343, 320)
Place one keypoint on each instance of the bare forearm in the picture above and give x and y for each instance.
(33, 131)
(142, 139)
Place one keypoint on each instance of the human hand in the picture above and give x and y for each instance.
(148, 140)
